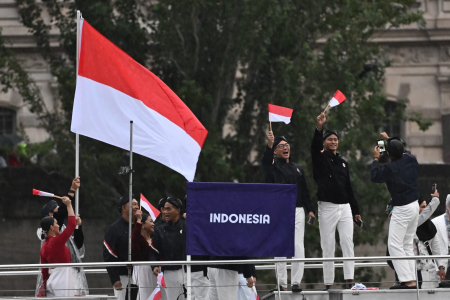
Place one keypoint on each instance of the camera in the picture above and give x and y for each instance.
(382, 145)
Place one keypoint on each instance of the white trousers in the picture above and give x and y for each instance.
(223, 284)
(61, 283)
(120, 295)
(331, 217)
(299, 252)
(244, 292)
(174, 282)
(402, 229)
(144, 278)
(200, 286)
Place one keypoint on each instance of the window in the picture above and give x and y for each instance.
(7, 120)
(393, 120)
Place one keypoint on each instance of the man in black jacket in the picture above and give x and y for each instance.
(400, 176)
(115, 246)
(170, 240)
(338, 208)
(282, 170)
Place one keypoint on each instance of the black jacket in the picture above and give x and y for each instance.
(400, 176)
(115, 248)
(279, 171)
(170, 240)
(331, 175)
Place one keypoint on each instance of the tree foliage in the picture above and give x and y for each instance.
(227, 60)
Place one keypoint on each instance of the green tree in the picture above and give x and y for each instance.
(227, 60)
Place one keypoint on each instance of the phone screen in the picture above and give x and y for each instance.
(381, 145)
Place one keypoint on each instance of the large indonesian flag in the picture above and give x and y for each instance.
(113, 89)
(154, 213)
(337, 99)
(280, 114)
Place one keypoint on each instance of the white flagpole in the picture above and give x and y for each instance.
(77, 136)
(189, 279)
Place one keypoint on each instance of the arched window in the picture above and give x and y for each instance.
(7, 121)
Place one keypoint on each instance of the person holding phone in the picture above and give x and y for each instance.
(279, 168)
(400, 175)
(338, 208)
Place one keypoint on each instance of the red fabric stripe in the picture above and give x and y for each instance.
(280, 110)
(154, 210)
(109, 249)
(105, 63)
(339, 96)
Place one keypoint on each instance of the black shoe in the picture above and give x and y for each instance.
(403, 286)
(327, 287)
(282, 289)
(296, 288)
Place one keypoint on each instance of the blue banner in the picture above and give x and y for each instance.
(240, 219)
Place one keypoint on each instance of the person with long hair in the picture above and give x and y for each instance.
(143, 250)
(58, 282)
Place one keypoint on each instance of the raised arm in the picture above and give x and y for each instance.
(64, 236)
(430, 209)
(317, 142)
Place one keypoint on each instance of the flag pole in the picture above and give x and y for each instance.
(326, 108)
(130, 208)
(77, 136)
(270, 125)
(189, 279)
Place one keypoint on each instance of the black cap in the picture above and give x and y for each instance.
(162, 202)
(277, 140)
(327, 133)
(46, 222)
(395, 148)
(175, 202)
(123, 201)
(48, 208)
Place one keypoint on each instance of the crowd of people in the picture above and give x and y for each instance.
(410, 230)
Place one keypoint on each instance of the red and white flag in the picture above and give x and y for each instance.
(337, 99)
(156, 295)
(160, 280)
(280, 114)
(113, 89)
(41, 193)
(154, 213)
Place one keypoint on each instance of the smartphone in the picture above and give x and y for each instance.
(433, 188)
(381, 146)
(311, 220)
(359, 223)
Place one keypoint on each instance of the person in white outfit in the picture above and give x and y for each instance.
(338, 208)
(442, 224)
(282, 170)
(400, 176)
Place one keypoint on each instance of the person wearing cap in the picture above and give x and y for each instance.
(282, 170)
(338, 208)
(400, 175)
(57, 282)
(170, 240)
(75, 243)
(115, 246)
(442, 224)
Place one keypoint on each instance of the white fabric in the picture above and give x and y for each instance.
(120, 294)
(61, 283)
(442, 236)
(104, 113)
(174, 284)
(244, 292)
(297, 269)
(331, 217)
(402, 230)
(223, 284)
(200, 286)
(278, 118)
(334, 102)
(144, 278)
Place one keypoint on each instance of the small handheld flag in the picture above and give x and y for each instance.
(279, 114)
(44, 194)
(337, 99)
(154, 213)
